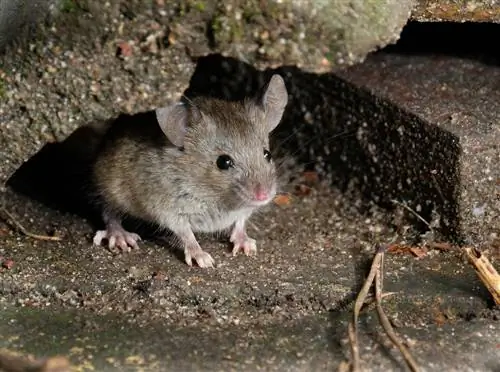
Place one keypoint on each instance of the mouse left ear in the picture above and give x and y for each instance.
(173, 122)
(274, 100)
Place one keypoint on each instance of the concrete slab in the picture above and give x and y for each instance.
(457, 11)
(462, 97)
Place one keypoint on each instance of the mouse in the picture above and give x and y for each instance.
(200, 165)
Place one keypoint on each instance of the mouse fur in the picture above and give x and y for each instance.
(164, 166)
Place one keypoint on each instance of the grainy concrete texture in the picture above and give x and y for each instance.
(287, 308)
(457, 11)
(248, 29)
(460, 96)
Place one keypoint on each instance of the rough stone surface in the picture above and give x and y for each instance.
(457, 11)
(461, 96)
(285, 309)
(21, 16)
(317, 35)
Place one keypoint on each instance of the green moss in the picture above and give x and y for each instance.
(68, 6)
(187, 6)
(225, 28)
(250, 11)
(200, 6)
(216, 25)
(3, 89)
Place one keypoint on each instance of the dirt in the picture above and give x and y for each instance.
(285, 309)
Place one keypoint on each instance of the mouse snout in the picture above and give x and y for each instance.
(262, 193)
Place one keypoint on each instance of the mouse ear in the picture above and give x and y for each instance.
(274, 101)
(173, 122)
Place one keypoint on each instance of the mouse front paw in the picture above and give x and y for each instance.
(202, 258)
(117, 239)
(245, 244)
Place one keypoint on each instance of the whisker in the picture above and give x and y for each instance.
(327, 140)
(287, 138)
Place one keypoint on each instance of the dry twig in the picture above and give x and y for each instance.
(353, 325)
(486, 272)
(412, 212)
(386, 324)
(23, 230)
(375, 273)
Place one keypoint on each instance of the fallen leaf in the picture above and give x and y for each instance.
(282, 199)
(418, 252)
(396, 248)
(441, 246)
(402, 249)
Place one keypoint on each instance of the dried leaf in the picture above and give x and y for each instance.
(402, 249)
(282, 199)
(396, 248)
(418, 252)
(441, 246)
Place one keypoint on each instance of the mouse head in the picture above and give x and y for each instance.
(226, 144)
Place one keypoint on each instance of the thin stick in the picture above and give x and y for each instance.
(386, 324)
(26, 232)
(486, 272)
(353, 341)
(363, 293)
(412, 212)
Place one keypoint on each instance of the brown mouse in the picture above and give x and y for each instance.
(201, 165)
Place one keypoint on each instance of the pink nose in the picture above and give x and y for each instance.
(260, 193)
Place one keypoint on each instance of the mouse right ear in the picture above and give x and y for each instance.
(274, 101)
(173, 122)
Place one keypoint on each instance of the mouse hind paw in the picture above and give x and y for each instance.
(118, 239)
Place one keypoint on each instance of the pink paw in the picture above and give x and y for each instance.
(202, 258)
(245, 244)
(118, 238)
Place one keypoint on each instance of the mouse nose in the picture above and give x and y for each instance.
(261, 193)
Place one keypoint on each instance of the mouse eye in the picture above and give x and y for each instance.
(225, 162)
(267, 155)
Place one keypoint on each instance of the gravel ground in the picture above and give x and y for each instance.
(284, 309)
